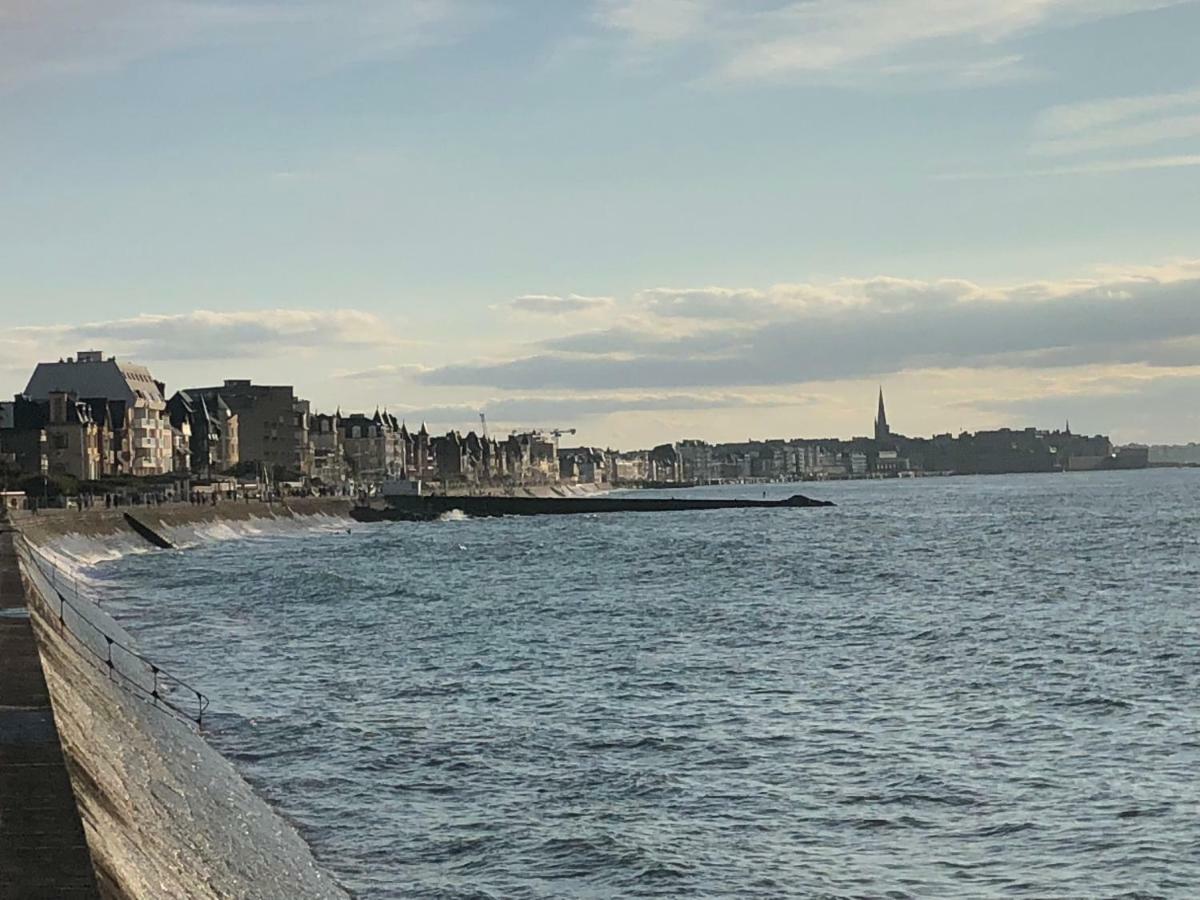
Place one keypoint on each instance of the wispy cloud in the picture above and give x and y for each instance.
(1069, 119)
(1117, 123)
(554, 305)
(1098, 167)
(383, 372)
(748, 40)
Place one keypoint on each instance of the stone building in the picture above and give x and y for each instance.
(210, 429)
(329, 457)
(139, 439)
(421, 461)
(582, 465)
(665, 464)
(273, 423)
(375, 447)
(73, 439)
(57, 436)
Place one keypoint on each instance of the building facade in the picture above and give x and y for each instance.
(375, 447)
(138, 431)
(208, 433)
(272, 423)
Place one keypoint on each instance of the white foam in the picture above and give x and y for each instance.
(198, 533)
(76, 554)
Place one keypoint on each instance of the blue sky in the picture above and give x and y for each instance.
(650, 219)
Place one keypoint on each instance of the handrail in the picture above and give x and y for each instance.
(161, 683)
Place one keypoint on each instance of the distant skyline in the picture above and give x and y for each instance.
(646, 219)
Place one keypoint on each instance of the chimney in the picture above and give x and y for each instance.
(58, 407)
(89, 356)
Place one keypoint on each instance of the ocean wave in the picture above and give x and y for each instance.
(76, 554)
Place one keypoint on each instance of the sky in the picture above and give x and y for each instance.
(648, 220)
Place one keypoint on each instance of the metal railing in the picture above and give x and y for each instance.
(124, 665)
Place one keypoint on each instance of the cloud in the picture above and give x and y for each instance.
(792, 299)
(208, 335)
(860, 328)
(48, 39)
(658, 21)
(385, 371)
(1101, 167)
(748, 40)
(1066, 120)
(552, 410)
(1140, 134)
(552, 305)
(1097, 131)
(1119, 123)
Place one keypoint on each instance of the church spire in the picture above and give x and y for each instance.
(882, 431)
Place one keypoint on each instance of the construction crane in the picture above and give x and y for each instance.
(554, 432)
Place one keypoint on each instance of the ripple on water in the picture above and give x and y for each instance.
(945, 688)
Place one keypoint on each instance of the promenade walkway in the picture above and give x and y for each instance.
(43, 854)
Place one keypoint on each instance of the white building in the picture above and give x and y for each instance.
(142, 442)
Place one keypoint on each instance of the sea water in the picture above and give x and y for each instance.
(960, 687)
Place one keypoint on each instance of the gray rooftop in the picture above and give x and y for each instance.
(90, 375)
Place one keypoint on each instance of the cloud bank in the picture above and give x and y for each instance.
(538, 410)
(204, 334)
(723, 337)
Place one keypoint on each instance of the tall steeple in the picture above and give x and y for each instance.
(882, 431)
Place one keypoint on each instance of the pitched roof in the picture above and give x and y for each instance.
(105, 378)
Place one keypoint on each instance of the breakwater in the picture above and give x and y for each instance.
(487, 506)
(163, 813)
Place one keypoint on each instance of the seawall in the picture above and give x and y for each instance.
(48, 524)
(163, 813)
(43, 852)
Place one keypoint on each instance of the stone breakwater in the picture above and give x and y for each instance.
(164, 814)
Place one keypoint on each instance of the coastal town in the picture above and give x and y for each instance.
(93, 428)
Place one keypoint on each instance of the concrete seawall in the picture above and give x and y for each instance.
(163, 813)
(43, 852)
(46, 525)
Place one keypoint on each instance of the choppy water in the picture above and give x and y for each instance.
(959, 687)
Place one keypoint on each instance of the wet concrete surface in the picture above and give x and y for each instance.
(164, 814)
(43, 852)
